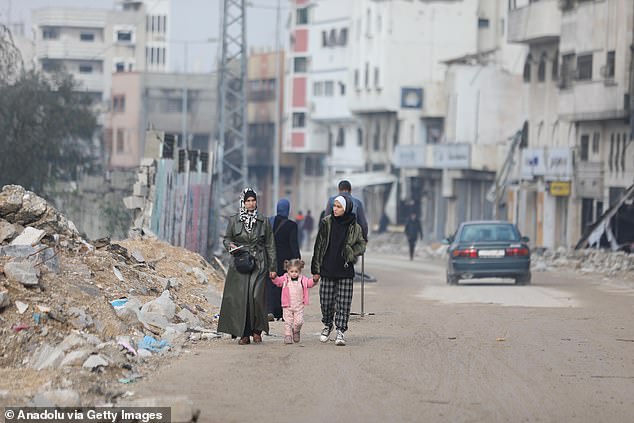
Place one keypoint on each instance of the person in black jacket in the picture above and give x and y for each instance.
(413, 230)
(286, 248)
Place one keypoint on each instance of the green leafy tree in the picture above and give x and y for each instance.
(44, 124)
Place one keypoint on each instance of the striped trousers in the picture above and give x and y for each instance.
(335, 295)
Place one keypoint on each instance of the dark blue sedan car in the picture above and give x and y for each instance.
(488, 249)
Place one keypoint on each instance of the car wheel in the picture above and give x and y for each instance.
(451, 280)
(523, 279)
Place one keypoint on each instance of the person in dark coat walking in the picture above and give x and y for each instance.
(413, 230)
(286, 248)
(243, 311)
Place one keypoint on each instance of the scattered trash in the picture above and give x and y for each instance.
(20, 327)
(150, 344)
(22, 307)
(118, 273)
(118, 304)
(500, 339)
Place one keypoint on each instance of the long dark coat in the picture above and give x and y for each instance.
(286, 248)
(242, 289)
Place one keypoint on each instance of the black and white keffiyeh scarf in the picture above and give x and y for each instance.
(246, 217)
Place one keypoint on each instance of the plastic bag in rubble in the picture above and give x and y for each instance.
(151, 344)
(156, 314)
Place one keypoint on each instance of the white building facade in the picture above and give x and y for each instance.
(579, 73)
(93, 44)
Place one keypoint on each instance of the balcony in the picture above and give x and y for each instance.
(590, 180)
(93, 82)
(66, 49)
(537, 22)
(608, 101)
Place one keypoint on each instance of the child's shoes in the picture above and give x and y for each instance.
(295, 336)
(288, 339)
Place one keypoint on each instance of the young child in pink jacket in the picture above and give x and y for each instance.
(294, 296)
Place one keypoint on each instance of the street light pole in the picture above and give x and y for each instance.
(276, 141)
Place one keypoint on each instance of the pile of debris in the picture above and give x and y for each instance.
(80, 320)
(610, 263)
(396, 243)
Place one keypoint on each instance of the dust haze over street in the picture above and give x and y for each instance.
(561, 349)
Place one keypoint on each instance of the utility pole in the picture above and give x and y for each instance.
(276, 141)
(230, 158)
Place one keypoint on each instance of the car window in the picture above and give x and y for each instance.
(489, 232)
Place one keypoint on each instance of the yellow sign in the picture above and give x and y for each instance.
(560, 188)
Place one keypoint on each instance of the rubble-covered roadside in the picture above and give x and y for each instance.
(605, 262)
(80, 321)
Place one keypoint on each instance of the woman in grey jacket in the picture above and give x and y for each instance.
(243, 308)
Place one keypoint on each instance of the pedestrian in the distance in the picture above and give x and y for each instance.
(307, 228)
(299, 219)
(413, 231)
(243, 310)
(286, 247)
(339, 242)
(294, 287)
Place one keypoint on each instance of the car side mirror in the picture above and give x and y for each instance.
(525, 239)
(446, 241)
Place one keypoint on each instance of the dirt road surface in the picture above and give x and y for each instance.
(560, 350)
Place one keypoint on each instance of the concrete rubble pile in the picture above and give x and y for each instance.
(80, 320)
(604, 262)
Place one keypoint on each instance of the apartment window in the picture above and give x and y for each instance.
(555, 70)
(50, 34)
(610, 158)
(124, 36)
(318, 89)
(596, 139)
(379, 23)
(366, 77)
(584, 67)
(624, 140)
(617, 152)
(343, 37)
(118, 103)
(567, 68)
(368, 22)
(299, 120)
(356, 78)
(342, 88)
(377, 137)
(163, 55)
(541, 68)
(609, 65)
(332, 38)
(483, 23)
(148, 23)
(120, 67)
(359, 137)
(584, 148)
(87, 36)
(324, 39)
(165, 24)
(302, 16)
(527, 68)
(377, 83)
(174, 105)
(300, 64)
(341, 138)
(120, 141)
(329, 88)
(85, 68)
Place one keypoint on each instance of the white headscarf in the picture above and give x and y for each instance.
(341, 200)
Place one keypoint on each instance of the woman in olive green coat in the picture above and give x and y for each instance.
(243, 308)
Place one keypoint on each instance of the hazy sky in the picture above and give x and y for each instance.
(191, 20)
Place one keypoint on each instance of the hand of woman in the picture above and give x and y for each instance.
(316, 278)
(272, 275)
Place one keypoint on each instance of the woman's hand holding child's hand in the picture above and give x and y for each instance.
(272, 275)
(316, 278)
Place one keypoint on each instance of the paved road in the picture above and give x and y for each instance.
(560, 350)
